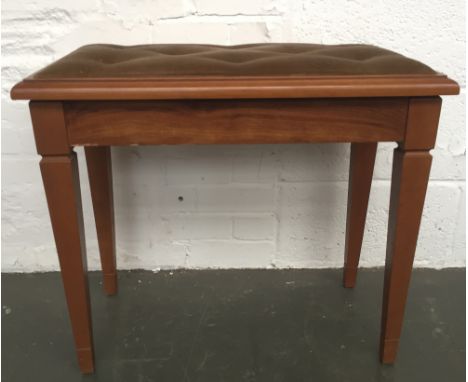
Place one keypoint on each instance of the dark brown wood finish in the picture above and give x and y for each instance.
(361, 169)
(240, 88)
(236, 121)
(422, 123)
(62, 187)
(363, 109)
(250, 71)
(99, 165)
(410, 177)
(49, 129)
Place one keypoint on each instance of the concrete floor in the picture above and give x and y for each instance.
(250, 325)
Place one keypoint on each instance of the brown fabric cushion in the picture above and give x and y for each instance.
(182, 60)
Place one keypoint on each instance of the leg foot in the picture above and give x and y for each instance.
(61, 183)
(409, 183)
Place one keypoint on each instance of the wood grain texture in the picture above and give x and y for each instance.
(422, 124)
(360, 179)
(235, 121)
(61, 183)
(207, 87)
(49, 128)
(98, 160)
(209, 109)
(410, 176)
(409, 183)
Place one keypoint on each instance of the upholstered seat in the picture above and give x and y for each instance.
(187, 71)
(105, 61)
(105, 95)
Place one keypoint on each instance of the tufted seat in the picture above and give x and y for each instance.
(104, 61)
(101, 96)
(242, 71)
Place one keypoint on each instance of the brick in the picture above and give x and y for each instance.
(21, 172)
(191, 32)
(44, 5)
(311, 225)
(186, 227)
(260, 165)
(458, 257)
(230, 190)
(205, 170)
(132, 255)
(254, 227)
(438, 225)
(239, 7)
(236, 199)
(245, 33)
(109, 32)
(314, 162)
(140, 11)
(450, 153)
(230, 254)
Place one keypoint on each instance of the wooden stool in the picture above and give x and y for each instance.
(105, 95)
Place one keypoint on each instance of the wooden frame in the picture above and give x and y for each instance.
(239, 87)
(235, 121)
(59, 126)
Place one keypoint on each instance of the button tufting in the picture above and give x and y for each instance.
(107, 61)
(193, 71)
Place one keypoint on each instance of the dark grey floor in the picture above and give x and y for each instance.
(289, 325)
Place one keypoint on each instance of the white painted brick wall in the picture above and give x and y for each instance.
(241, 206)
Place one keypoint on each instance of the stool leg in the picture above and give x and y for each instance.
(98, 161)
(61, 183)
(360, 178)
(409, 183)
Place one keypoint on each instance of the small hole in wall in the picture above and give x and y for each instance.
(181, 198)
